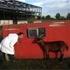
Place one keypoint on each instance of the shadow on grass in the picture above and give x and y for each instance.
(38, 64)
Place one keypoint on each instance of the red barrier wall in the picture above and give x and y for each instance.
(25, 49)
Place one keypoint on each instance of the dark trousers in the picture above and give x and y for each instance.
(7, 57)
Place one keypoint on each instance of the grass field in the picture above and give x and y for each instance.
(38, 64)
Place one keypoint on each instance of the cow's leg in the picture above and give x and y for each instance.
(56, 54)
(44, 51)
(61, 55)
(47, 53)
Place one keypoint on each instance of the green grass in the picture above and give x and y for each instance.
(50, 64)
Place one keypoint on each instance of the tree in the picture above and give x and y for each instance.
(43, 17)
(68, 16)
(62, 18)
(48, 17)
(58, 16)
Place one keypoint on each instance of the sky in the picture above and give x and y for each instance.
(51, 7)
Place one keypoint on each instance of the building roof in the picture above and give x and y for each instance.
(17, 5)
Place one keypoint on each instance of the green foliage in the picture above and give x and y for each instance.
(31, 19)
(43, 17)
(62, 18)
(58, 16)
(68, 16)
(48, 17)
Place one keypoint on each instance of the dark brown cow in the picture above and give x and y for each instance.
(53, 46)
